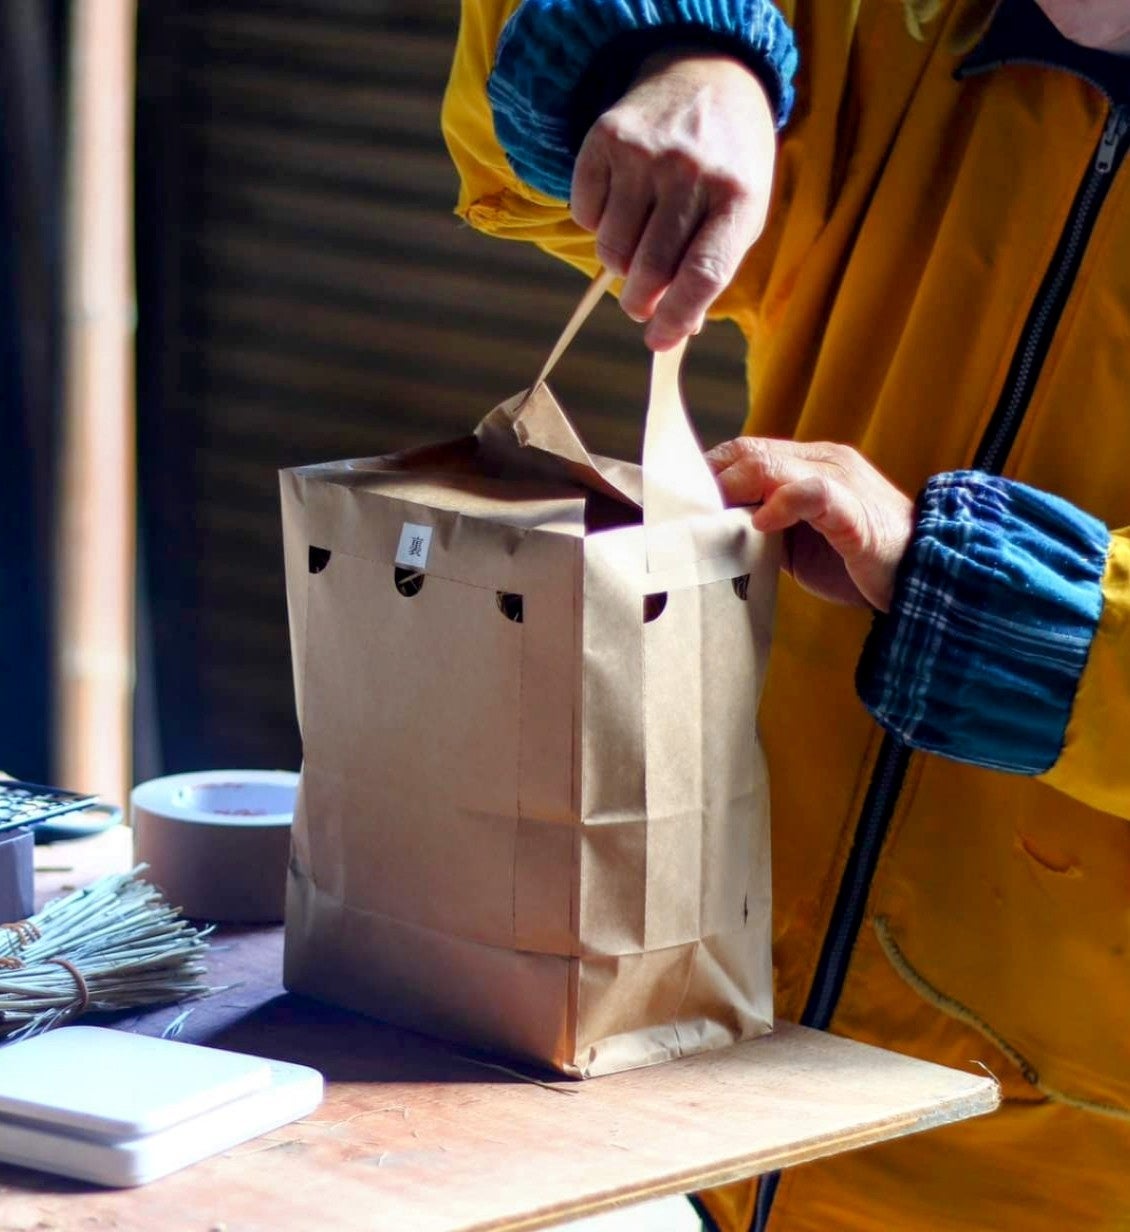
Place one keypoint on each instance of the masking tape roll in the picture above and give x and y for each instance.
(217, 842)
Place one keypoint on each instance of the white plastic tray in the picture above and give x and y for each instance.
(121, 1110)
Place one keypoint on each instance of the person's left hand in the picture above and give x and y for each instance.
(846, 525)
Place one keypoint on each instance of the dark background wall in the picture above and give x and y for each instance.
(32, 75)
(305, 293)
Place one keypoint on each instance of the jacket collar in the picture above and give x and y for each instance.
(1020, 33)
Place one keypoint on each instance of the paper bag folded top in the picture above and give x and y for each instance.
(533, 812)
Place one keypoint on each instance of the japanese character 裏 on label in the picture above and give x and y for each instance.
(415, 543)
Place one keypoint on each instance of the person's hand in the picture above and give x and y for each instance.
(675, 179)
(846, 525)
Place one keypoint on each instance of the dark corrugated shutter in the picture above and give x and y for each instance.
(307, 294)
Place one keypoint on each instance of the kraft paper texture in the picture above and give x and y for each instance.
(547, 836)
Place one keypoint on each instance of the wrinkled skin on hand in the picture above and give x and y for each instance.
(846, 525)
(674, 180)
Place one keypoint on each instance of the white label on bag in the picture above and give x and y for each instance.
(415, 543)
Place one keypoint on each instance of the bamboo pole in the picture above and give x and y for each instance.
(97, 548)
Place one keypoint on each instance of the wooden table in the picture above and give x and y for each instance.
(416, 1136)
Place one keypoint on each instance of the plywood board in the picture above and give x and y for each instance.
(416, 1137)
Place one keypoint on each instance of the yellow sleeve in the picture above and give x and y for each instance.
(491, 197)
(1095, 763)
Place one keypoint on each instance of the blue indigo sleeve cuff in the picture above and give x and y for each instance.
(996, 604)
(555, 56)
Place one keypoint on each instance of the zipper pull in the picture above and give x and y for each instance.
(1117, 124)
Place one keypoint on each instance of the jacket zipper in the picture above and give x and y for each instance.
(1046, 311)
(894, 755)
(847, 914)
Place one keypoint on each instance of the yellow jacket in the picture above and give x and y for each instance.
(915, 218)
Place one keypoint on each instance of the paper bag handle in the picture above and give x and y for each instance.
(677, 483)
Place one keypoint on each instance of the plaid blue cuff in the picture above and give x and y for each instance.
(548, 45)
(995, 607)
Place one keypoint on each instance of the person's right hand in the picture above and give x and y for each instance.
(675, 179)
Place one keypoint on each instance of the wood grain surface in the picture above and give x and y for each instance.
(416, 1137)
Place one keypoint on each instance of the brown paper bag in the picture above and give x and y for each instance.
(533, 810)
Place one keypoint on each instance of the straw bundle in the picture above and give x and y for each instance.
(112, 946)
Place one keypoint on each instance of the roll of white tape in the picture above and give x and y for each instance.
(217, 843)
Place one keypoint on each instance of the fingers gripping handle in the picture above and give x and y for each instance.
(677, 483)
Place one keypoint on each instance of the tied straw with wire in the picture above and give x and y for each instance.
(115, 945)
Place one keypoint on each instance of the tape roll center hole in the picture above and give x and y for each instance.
(238, 799)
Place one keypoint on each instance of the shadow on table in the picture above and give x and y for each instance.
(347, 1047)
(249, 1011)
